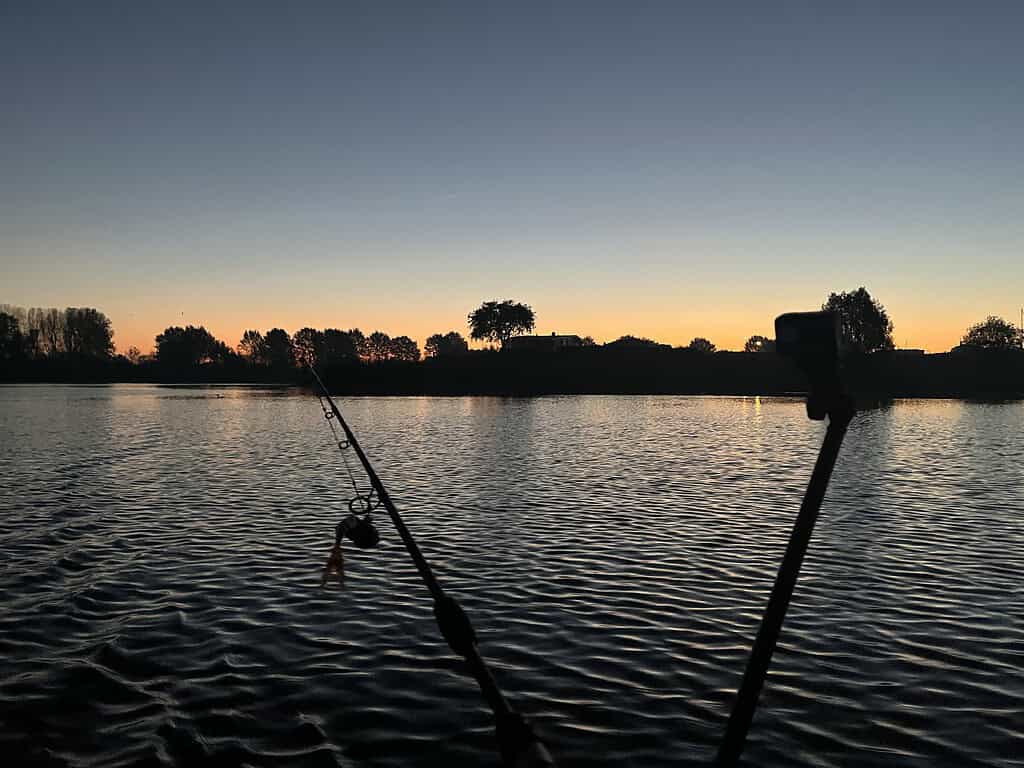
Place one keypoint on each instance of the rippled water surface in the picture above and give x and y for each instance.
(162, 548)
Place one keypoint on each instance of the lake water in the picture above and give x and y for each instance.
(160, 600)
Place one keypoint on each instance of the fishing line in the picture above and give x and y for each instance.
(358, 525)
(360, 503)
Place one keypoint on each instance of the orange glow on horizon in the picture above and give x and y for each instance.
(726, 332)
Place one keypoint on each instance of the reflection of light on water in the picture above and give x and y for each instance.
(757, 406)
(608, 518)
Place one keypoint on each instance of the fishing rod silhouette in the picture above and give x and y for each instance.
(811, 339)
(519, 745)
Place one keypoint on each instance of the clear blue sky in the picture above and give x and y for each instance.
(664, 169)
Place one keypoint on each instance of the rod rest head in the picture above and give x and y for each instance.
(811, 340)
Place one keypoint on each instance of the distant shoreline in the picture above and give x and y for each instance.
(985, 375)
(863, 401)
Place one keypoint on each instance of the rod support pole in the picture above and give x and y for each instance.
(745, 706)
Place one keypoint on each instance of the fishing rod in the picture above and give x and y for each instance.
(812, 340)
(519, 745)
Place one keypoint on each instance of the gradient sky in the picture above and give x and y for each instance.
(662, 169)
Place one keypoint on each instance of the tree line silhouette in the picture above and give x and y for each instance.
(38, 332)
(76, 344)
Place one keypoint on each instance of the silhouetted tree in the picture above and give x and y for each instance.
(403, 348)
(253, 347)
(31, 344)
(634, 342)
(45, 331)
(18, 322)
(133, 355)
(701, 344)
(865, 325)
(51, 331)
(87, 332)
(14, 311)
(340, 346)
(378, 347)
(993, 333)
(32, 334)
(42, 329)
(588, 341)
(280, 352)
(309, 346)
(360, 342)
(500, 320)
(11, 340)
(189, 346)
(446, 345)
(759, 344)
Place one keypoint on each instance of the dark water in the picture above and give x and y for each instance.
(159, 599)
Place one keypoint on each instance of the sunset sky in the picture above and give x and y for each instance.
(662, 169)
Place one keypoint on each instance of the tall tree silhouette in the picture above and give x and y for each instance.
(51, 331)
(11, 341)
(253, 347)
(404, 348)
(865, 325)
(446, 345)
(280, 352)
(341, 346)
(500, 320)
(187, 347)
(309, 346)
(360, 342)
(378, 347)
(87, 332)
(993, 333)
